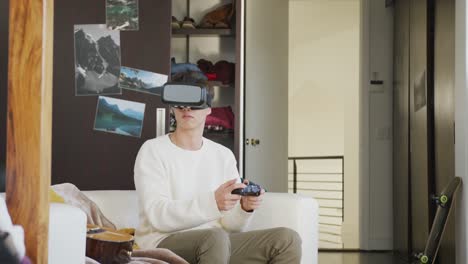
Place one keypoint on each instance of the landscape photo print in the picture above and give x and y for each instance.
(141, 81)
(119, 116)
(97, 60)
(122, 14)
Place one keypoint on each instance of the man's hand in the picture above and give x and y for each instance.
(250, 203)
(224, 199)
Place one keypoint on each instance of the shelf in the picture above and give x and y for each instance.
(225, 132)
(203, 31)
(220, 84)
(225, 137)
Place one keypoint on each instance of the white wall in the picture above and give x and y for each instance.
(380, 115)
(461, 123)
(324, 91)
(321, 68)
(376, 181)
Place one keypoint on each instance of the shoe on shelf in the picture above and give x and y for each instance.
(220, 17)
(175, 24)
(188, 23)
(221, 25)
(205, 24)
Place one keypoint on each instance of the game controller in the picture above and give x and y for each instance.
(251, 189)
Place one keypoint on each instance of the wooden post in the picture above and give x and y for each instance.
(29, 121)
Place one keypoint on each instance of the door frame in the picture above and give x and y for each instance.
(461, 126)
(369, 239)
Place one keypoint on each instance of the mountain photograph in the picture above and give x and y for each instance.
(122, 14)
(119, 116)
(97, 60)
(141, 81)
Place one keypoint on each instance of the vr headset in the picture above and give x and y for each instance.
(186, 95)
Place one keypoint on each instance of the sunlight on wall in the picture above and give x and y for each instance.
(324, 91)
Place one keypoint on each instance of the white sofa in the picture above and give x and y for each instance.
(278, 210)
(67, 224)
(67, 234)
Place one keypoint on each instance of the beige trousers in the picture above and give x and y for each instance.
(276, 246)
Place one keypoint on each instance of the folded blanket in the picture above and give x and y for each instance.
(73, 196)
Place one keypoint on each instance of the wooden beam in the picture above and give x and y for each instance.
(29, 121)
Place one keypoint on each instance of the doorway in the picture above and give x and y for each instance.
(324, 59)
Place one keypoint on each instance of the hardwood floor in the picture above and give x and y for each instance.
(358, 258)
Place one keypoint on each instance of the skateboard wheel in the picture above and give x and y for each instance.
(424, 259)
(443, 199)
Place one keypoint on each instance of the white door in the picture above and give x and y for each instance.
(266, 93)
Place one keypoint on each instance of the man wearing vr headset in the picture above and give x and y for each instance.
(184, 183)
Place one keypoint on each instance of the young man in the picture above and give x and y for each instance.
(184, 183)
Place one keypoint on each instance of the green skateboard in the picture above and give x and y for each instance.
(444, 206)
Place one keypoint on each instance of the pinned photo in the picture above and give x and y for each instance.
(122, 14)
(141, 81)
(97, 60)
(119, 116)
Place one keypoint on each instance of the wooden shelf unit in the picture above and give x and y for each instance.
(229, 94)
(182, 32)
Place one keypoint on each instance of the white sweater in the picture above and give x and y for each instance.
(176, 190)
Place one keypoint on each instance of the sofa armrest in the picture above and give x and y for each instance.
(67, 234)
(294, 211)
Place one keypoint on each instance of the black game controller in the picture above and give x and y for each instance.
(251, 189)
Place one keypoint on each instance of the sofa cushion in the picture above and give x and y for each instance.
(120, 207)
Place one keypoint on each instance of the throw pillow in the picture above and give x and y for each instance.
(54, 197)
